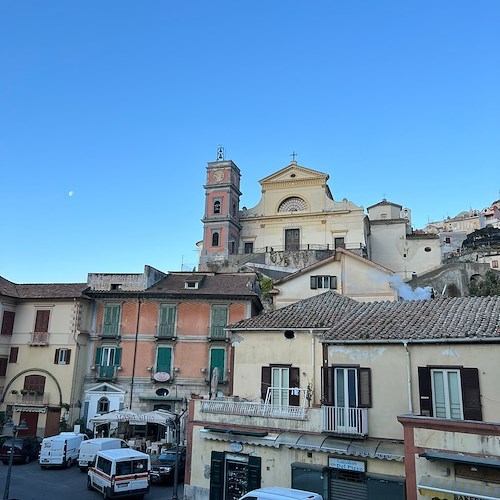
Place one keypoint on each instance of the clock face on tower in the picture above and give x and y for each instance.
(219, 175)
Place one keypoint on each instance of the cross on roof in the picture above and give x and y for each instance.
(293, 155)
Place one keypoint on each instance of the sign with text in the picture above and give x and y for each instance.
(343, 464)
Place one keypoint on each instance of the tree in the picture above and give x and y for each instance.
(490, 285)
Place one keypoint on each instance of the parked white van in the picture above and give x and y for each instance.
(122, 472)
(60, 450)
(90, 448)
(276, 493)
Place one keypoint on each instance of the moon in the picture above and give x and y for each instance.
(71, 193)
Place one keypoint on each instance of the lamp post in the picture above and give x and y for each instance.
(177, 428)
(10, 429)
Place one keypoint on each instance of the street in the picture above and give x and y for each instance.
(30, 482)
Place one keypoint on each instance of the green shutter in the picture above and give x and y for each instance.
(111, 319)
(164, 359)
(98, 356)
(166, 321)
(218, 321)
(217, 358)
(217, 476)
(118, 356)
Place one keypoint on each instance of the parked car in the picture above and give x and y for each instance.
(60, 450)
(25, 448)
(163, 467)
(89, 449)
(278, 493)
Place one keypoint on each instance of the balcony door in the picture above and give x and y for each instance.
(346, 400)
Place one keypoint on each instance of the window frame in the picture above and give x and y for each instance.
(62, 356)
(42, 320)
(171, 360)
(212, 365)
(318, 282)
(8, 319)
(215, 239)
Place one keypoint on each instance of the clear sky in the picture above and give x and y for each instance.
(110, 110)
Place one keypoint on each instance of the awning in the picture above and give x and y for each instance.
(369, 448)
(428, 485)
(161, 417)
(462, 459)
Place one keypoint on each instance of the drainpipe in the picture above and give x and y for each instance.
(313, 363)
(408, 375)
(135, 349)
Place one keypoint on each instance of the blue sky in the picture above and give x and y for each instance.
(124, 102)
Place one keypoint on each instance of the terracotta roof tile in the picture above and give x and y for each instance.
(436, 319)
(320, 311)
(42, 290)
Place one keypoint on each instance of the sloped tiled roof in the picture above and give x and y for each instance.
(42, 290)
(320, 311)
(464, 318)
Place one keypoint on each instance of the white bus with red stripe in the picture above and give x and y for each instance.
(120, 473)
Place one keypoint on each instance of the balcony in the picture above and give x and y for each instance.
(31, 398)
(110, 331)
(39, 339)
(251, 409)
(105, 372)
(217, 333)
(165, 332)
(345, 421)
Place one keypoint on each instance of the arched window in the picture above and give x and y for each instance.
(103, 405)
(215, 239)
(293, 204)
(217, 207)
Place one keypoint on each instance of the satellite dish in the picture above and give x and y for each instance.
(161, 376)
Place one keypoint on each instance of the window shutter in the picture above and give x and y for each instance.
(42, 321)
(56, 356)
(333, 282)
(364, 388)
(217, 358)
(98, 356)
(425, 389)
(265, 381)
(327, 379)
(254, 473)
(217, 476)
(314, 282)
(118, 356)
(3, 367)
(471, 396)
(68, 356)
(8, 322)
(14, 351)
(164, 359)
(294, 381)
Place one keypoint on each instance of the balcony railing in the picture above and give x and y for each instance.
(165, 332)
(345, 421)
(217, 333)
(30, 399)
(105, 372)
(244, 408)
(39, 338)
(110, 330)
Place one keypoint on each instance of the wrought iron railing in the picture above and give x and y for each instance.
(110, 330)
(165, 331)
(105, 372)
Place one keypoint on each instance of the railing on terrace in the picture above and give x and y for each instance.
(342, 420)
(217, 332)
(32, 399)
(309, 246)
(105, 372)
(251, 409)
(165, 331)
(110, 330)
(39, 338)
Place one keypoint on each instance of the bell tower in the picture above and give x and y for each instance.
(221, 224)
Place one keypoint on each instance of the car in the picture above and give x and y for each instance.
(163, 466)
(26, 449)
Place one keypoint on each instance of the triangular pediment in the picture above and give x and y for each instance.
(105, 387)
(294, 173)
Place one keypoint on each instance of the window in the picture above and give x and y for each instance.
(14, 351)
(327, 282)
(42, 321)
(167, 316)
(494, 264)
(282, 380)
(103, 405)
(248, 247)
(347, 387)
(3, 366)
(62, 356)
(234, 209)
(217, 207)
(450, 392)
(447, 240)
(218, 360)
(8, 322)
(34, 383)
(218, 321)
(111, 322)
(104, 465)
(107, 359)
(215, 239)
(164, 360)
(293, 204)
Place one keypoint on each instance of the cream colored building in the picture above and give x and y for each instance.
(43, 347)
(345, 272)
(356, 400)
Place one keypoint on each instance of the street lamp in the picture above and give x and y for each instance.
(10, 429)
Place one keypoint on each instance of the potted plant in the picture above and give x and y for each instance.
(65, 406)
(14, 391)
(24, 391)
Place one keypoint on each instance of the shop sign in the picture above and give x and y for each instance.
(343, 464)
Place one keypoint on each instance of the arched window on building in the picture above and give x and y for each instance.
(215, 239)
(217, 207)
(103, 405)
(293, 204)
